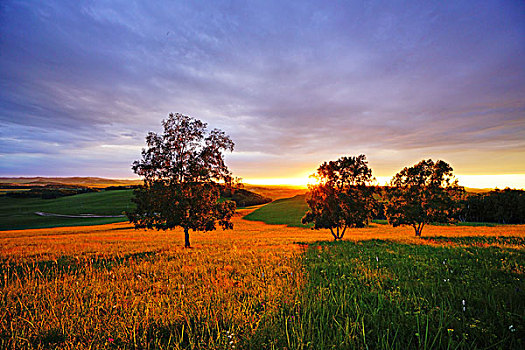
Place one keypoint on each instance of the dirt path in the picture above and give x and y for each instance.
(41, 213)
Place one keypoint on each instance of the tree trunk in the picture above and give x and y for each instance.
(186, 238)
(418, 229)
(333, 234)
(343, 233)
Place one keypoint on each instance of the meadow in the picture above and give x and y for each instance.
(284, 211)
(383, 294)
(19, 213)
(262, 286)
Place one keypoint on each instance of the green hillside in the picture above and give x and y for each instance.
(19, 213)
(286, 211)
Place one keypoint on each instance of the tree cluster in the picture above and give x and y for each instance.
(48, 191)
(344, 196)
(500, 206)
(185, 175)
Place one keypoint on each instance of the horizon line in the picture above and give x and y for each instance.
(482, 182)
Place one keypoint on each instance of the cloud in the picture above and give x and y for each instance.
(293, 85)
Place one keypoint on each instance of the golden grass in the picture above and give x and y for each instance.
(122, 238)
(129, 287)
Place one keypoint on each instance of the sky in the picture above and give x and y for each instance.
(294, 83)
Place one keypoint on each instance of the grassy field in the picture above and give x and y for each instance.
(383, 294)
(19, 213)
(262, 286)
(113, 287)
(285, 211)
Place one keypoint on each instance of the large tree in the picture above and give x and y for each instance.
(182, 169)
(424, 193)
(343, 196)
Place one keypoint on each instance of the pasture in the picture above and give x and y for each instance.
(262, 286)
(284, 211)
(19, 213)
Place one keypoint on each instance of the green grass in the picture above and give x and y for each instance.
(480, 240)
(380, 221)
(19, 213)
(385, 295)
(486, 224)
(286, 211)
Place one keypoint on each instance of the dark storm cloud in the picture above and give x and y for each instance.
(292, 83)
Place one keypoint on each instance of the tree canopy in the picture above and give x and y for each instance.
(424, 193)
(342, 197)
(181, 169)
(502, 206)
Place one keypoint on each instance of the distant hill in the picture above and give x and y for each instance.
(275, 191)
(98, 182)
(271, 191)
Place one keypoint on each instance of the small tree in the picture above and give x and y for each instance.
(424, 193)
(181, 169)
(342, 197)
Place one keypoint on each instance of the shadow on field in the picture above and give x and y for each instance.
(131, 227)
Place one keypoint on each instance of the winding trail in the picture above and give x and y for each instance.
(41, 213)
